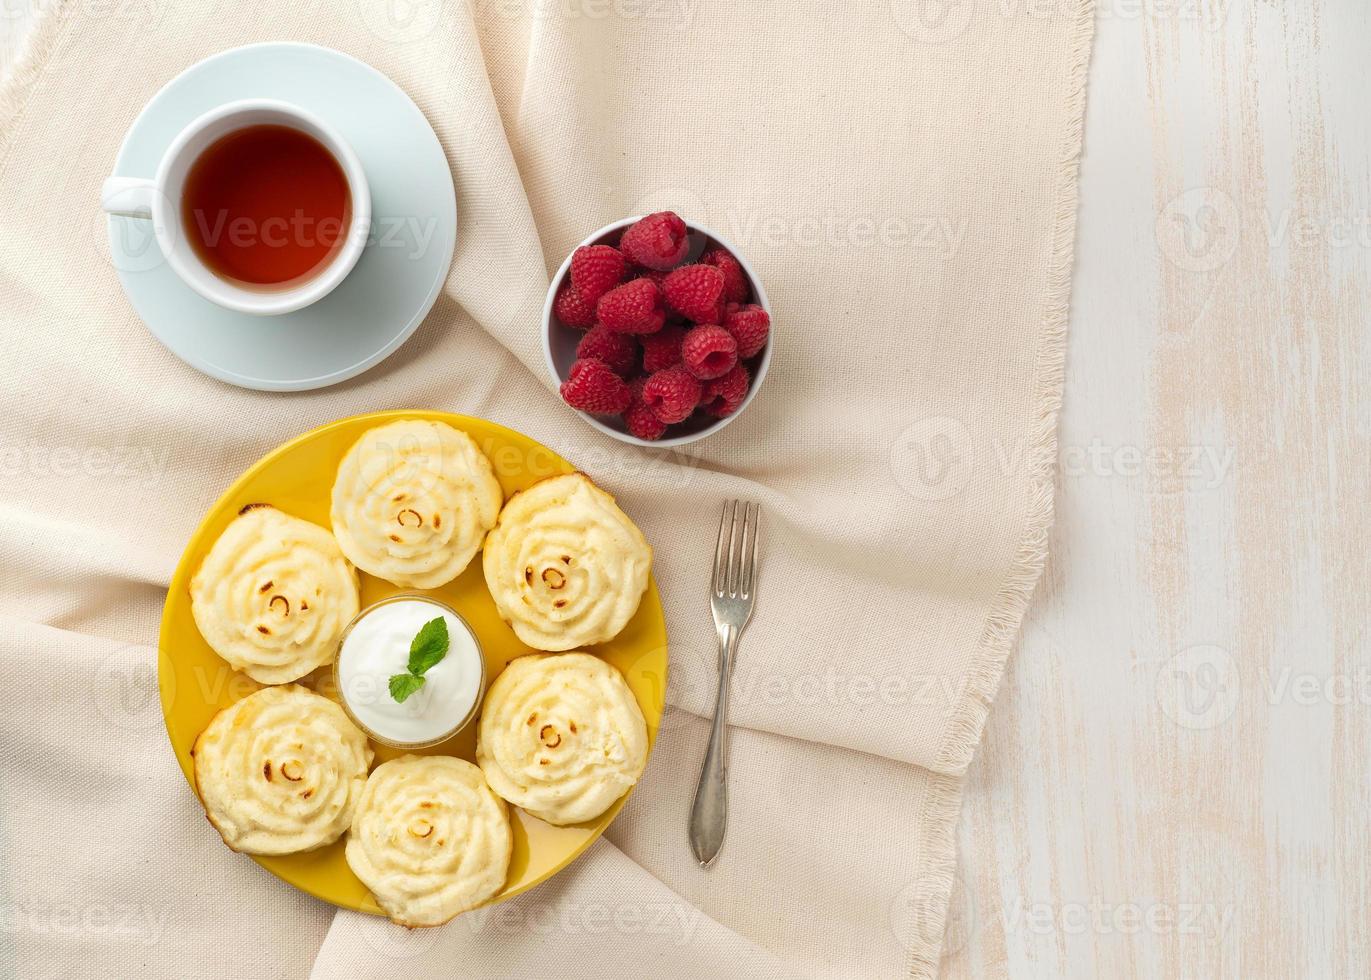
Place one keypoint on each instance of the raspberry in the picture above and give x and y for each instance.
(596, 269)
(657, 241)
(722, 396)
(709, 351)
(592, 387)
(750, 326)
(641, 420)
(735, 280)
(644, 423)
(572, 309)
(696, 292)
(663, 348)
(672, 394)
(618, 350)
(634, 307)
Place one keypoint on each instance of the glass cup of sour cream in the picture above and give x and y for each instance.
(376, 645)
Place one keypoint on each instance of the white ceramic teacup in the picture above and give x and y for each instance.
(159, 199)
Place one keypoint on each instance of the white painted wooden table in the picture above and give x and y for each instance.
(1173, 782)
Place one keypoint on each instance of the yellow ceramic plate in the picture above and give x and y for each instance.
(298, 478)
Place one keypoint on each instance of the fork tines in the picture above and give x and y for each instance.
(735, 555)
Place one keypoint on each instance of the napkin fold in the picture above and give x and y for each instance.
(902, 177)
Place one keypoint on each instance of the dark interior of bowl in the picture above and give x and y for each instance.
(562, 341)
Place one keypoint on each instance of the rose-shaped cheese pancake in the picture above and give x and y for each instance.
(281, 771)
(273, 595)
(413, 501)
(430, 839)
(565, 566)
(561, 736)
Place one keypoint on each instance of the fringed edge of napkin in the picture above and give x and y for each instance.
(942, 810)
(17, 84)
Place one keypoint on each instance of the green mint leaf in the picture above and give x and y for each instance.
(403, 685)
(429, 646)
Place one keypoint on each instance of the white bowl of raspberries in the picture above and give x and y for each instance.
(657, 331)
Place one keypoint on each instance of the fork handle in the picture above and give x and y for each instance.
(709, 812)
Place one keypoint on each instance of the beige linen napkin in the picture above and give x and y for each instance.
(902, 176)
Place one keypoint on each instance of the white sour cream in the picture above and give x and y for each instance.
(377, 646)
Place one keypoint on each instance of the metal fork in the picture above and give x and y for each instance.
(731, 594)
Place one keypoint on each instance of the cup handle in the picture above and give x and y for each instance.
(130, 197)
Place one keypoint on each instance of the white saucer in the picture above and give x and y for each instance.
(396, 281)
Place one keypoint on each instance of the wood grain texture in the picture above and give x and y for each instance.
(1173, 780)
(15, 19)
